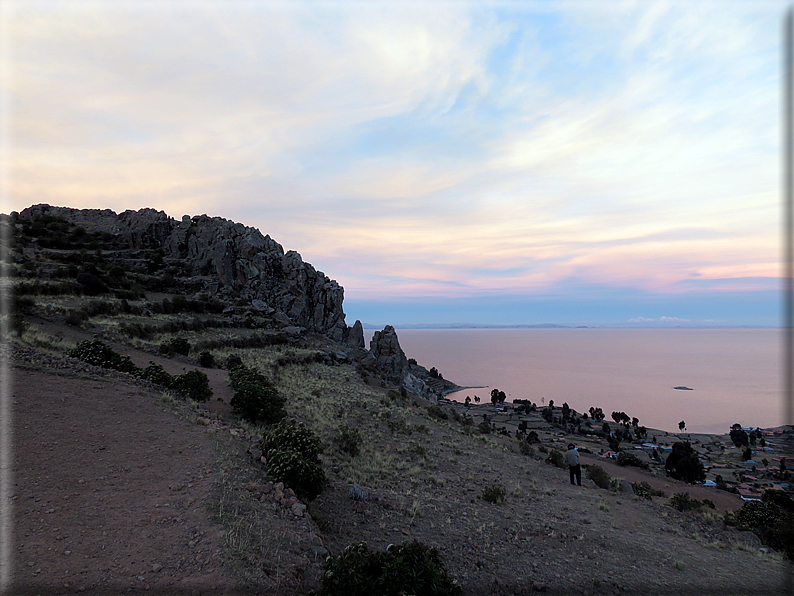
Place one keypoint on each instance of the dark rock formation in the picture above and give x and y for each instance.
(389, 356)
(244, 264)
(355, 335)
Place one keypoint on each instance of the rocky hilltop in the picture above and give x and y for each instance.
(238, 262)
(248, 273)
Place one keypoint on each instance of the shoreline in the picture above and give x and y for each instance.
(720, 457)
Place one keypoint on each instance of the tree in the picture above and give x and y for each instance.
(566, 412)
(683, 463)
(597, 414)
(739, 436)
(681, 425)
(497, 397)
(468, 401)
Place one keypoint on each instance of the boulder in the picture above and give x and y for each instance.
(746, 539)
(625, 487)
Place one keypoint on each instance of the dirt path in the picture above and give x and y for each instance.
(110, 491)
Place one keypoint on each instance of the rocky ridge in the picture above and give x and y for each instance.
(242, 268)
(243, 264)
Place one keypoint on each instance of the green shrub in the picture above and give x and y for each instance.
(645, 490)
(258, 403)
(233, 361)
(526, 449)
(303, 475)
(532, 437)
(599, 475)
(255, 398)
(757, 514)
(408, 568)
(76, 317)
(193, 384)
(242, 375)
(683, 502)
(769, 521)
(138, 330)
(206, 359)
(556, 458)
(779, 498)
(350, 440)
(292, 453)
(101, 307)
(399, 426)
(626, 458)
(91, 285)
(495, 494)
(155, 373)
(98, 353)
(293, 435)
(437, 412)
(176, 345)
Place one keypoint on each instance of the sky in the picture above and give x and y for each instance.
(577, 163)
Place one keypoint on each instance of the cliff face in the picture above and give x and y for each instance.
(241, 262)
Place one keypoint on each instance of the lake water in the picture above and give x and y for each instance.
(735, 374)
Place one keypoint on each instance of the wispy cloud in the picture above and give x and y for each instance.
(456, 149)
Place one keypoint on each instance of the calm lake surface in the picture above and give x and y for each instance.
(735, 374)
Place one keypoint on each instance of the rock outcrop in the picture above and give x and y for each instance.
(390, 360)
(389, 356)
(239, 263)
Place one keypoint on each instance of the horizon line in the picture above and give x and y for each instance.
(370, 326)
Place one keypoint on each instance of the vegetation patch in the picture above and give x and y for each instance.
(293, 457)
(495, 494)
(598, 475)
(683, 502)
(556, 458)
(350, 440)
(626, 458)
(437, 412)
(408, 568)
(771, 519)
(193, 384)
(255, 398)
(98, 353)
(645, 490)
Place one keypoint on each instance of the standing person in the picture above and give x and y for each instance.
(572, 457)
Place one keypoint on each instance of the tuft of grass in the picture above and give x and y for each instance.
(495, 494)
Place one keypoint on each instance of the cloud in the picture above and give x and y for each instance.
(455, 150)
(659, 320)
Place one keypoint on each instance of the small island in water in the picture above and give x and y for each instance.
(683, 388)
